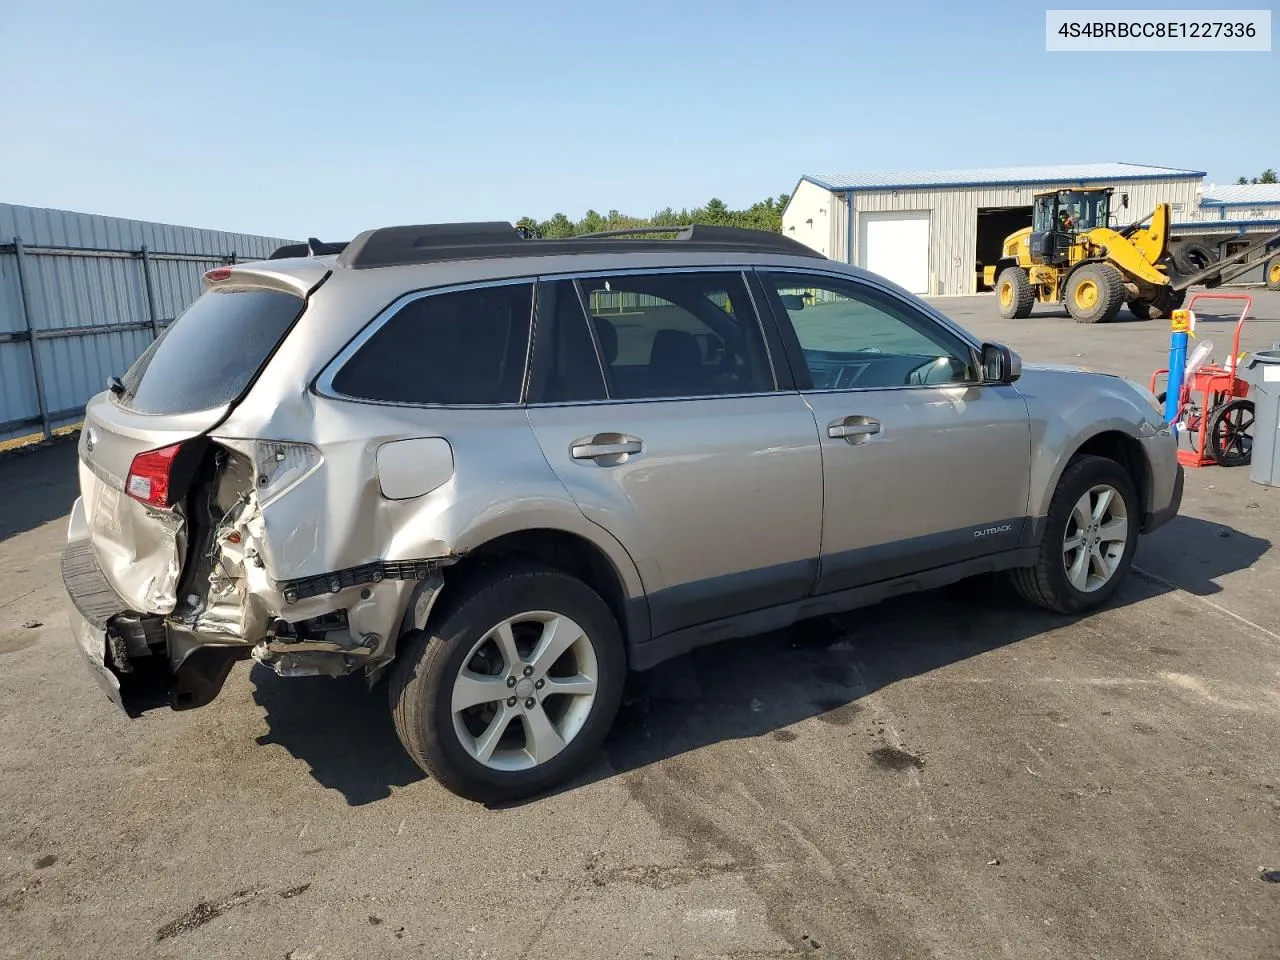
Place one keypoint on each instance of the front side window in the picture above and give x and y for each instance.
(677, 335)
(854, 337)
(467, 347)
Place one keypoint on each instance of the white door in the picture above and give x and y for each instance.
(896, 246)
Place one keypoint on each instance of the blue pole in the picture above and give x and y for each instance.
(1177, 366)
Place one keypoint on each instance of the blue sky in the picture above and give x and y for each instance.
(324, 118)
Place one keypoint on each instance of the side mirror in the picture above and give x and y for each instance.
(1000, 364)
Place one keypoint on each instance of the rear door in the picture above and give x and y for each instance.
(922, 465)
(183, 384)
(663, 417)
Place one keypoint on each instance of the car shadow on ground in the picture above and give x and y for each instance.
(340, 728)
(38, 485)
(753, 687)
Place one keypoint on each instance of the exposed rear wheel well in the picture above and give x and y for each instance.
(567, 552)
(1127, 452)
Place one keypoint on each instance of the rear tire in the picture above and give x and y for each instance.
(1272, 273)
(1014, 293)
(1143, 310)
(453, 685)
(1095, 293)
(1161, 310)
(1061, 580)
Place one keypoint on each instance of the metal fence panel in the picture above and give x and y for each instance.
(89, 303)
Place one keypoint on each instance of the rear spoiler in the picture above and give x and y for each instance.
(312, 248)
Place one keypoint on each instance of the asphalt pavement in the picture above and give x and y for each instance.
(951, 775)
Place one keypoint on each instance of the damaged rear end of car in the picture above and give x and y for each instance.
(195, 543)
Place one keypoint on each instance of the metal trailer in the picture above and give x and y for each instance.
(1197, 246)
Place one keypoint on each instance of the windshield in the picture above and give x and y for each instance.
(208, 355)
(1074, 211)
(1087, 210)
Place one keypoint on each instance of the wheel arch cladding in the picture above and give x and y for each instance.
(561, 550)
(1124, 450)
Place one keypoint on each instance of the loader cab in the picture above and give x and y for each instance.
(1058, 218)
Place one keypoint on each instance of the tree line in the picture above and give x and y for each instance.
(763, 215)
(1267, 176)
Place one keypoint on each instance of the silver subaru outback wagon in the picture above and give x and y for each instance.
(501, 472)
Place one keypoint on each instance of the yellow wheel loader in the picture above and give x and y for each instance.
(1069, 255)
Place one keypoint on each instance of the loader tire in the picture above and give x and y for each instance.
(1095, 293)
(1144, 310)
(1272, 273)
(1161, 310)
(1014, 293)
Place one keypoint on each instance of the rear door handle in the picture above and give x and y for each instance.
(853, 429)
(606, 449)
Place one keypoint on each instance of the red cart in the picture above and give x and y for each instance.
(1214, 408)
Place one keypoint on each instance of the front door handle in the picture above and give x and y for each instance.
(606, 449)
(853, 429)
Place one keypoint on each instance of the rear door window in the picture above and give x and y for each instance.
(210, 353)
(465, 347)
(677, 335)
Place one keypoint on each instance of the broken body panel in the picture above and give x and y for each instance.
(310, 531)
(311, 551)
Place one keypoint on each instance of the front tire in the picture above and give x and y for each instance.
(512, 689)
(1095, 293)
(1272, 273)
(1014, 293)
(1090, 534)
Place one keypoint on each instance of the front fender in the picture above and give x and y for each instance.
(1068, 408)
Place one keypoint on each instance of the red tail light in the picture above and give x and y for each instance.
(218, 273)
(149, 476)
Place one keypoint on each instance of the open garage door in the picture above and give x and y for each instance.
(994, 225)
(896, 246)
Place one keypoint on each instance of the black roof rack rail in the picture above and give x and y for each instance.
(435, 242)
(705, 233)
(312, 248)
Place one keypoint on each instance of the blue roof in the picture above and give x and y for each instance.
(1241, 194)
(1217, 226)
(999, 176)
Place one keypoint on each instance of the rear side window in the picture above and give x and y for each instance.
(208, 355)
(460, 348)
(677, 335)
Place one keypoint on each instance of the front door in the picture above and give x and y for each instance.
(663, 418)
(922, 466)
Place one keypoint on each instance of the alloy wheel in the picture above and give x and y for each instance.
(1095, 539)
(525, 690)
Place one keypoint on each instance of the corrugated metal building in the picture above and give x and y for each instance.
(94, 291)
(1241, 201)
(929, 230)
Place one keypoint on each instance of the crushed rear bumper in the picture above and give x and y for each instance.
(141, 661)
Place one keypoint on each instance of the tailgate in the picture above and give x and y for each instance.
(143, 442)
(139, 547)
